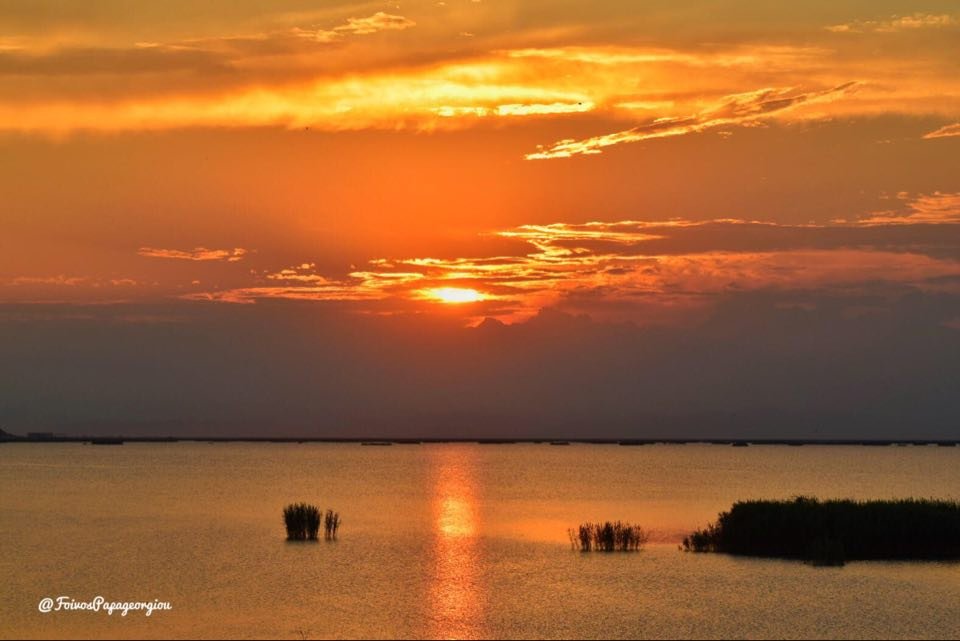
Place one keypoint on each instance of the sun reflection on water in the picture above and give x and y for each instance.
(457, 593)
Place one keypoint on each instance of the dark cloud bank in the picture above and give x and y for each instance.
(869, 364)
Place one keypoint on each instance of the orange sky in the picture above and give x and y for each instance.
(491, 217)
(523, 154)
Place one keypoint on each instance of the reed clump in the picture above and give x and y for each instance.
(833, 532)
(302, 521)
(331, 523)
(616, 536)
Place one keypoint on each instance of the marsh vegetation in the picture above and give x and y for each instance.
(303, 522)
(832, 532)
(616, 536)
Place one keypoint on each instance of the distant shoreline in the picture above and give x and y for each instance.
(739, 442)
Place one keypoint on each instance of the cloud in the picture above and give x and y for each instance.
(74, 61)
(219, 57)
(781, 57)
(947, 131)
(196, 254)
(60, 280)
(247, 295)
(738, 109)
(378, 22)
(450, 96)
(46, 290)
(927, 209)
(516, 109)
(287, 78)
(661, 269)
(326, 74)
(897, 24)
(300, 273)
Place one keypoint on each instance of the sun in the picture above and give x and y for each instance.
(454, 295)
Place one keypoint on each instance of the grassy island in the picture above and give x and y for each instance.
(832, 532)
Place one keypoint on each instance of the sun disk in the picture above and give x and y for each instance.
(454, 295)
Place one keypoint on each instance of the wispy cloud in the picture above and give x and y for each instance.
(196, 254)
(59, 280)
(303, 273)
(229, 62)
(288, 78)
(670, 264)
(739, 109)
(948, 131)
(247, 295)
(897, 23)
(784, 57)
(82, 61)
(926, 209)
(448, 96)
(280, 41)
(516, 109)
(379, 21)
(60, 287)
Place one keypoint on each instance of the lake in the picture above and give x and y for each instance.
(446, 541)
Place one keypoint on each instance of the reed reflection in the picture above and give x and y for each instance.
(457, 595)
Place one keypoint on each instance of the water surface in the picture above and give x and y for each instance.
(446, 541)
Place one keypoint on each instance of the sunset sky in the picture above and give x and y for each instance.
(363, 217)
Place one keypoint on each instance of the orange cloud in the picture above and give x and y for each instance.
(60, 280)
(288, 79)
(783, 57)
(247, 295)
(740, 109)
(929, 209)
(620, 263)
(445, 96)
(947, 131)
(63, 287)
(897, 23)
(517, 109)
(379, 21)
(196, 254)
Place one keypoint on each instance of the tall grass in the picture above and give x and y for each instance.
(832, 532)
(331, 523)
(302, 521)
(607, 537)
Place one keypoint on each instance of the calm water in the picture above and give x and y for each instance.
(446, 541)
